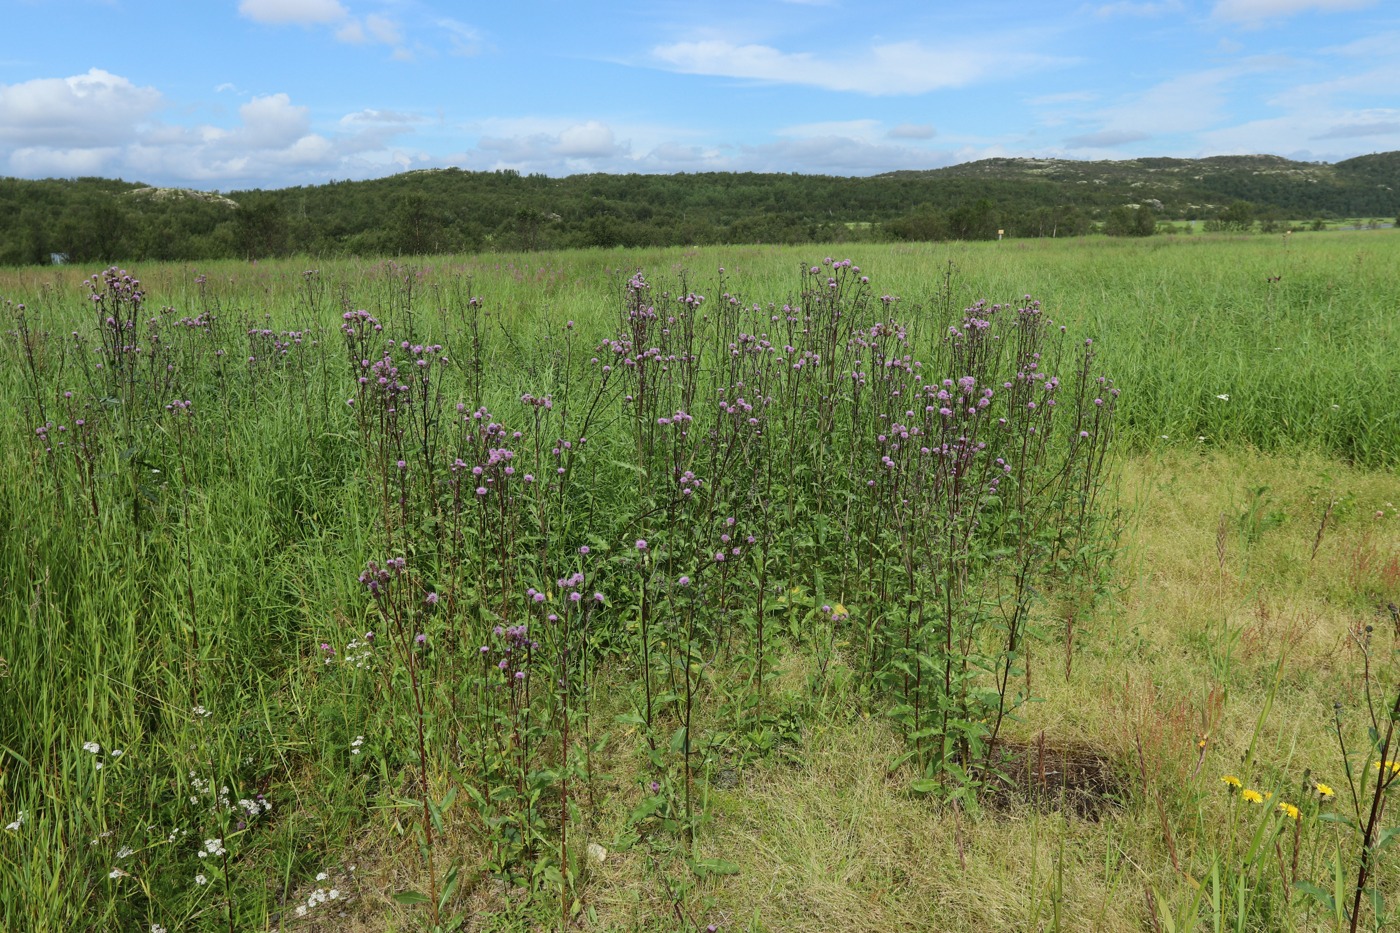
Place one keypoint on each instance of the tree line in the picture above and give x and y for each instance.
(456, 211)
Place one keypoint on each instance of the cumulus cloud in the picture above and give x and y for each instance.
(99, 123)
(588, 146)
(1257, 11)
(43, 162)
(303, 12)
(591, 140)
(893, 68)
(80, 112)
(272, 122)
(376, 28)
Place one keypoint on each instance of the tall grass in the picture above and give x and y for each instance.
(290, 548)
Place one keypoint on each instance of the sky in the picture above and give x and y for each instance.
(237, 94)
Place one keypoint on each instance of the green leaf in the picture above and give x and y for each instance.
(449, 886)
(411, 897)
(924, 785)
(714, 866)
(1316, 893)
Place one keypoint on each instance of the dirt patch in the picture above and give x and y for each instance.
(1075, 779)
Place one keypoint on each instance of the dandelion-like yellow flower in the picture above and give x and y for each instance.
(1253, 796)
(1392, 766)
(1231, 780)
(1323, 790)
(1288, 809)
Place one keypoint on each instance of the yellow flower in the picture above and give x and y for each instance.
(1323, 790)
(1231, 780)
(1289, 809)
(1253, 796)
(1392, 766)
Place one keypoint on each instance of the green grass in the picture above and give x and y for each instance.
(1258, 540)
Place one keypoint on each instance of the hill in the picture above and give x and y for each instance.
(451, 210)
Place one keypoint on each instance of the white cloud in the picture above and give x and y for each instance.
(545, 146)
(103, 124)
(912, 131)
(589, 140)
(1144, 9)
(1371, 123)
(376, 28)
(1256, 11)
(1067, 97)
(851, 129)
(466, 41)
(379, 117)
(1338, 132)
(383, 29)
(352, 32)
(373, 28)
(272, 122)
(304, 12)
(895, 68)
(1106, 139)
(1379, 45)
(40, 162)
(80, 112)
(1188, 103)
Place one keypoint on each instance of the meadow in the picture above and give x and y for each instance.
(1032, 585)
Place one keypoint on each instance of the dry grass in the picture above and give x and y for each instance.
(1209, 600)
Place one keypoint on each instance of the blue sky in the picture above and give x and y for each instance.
(228, 94)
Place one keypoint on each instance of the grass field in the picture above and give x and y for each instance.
(739, 588)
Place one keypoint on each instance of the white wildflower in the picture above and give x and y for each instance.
(200, 879)
(92, 747)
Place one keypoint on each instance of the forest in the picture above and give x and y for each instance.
(454, 211)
